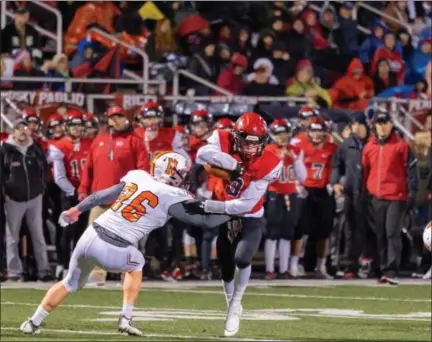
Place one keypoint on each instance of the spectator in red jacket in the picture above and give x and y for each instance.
(389, 52)
(111, 155)
(390, 176)
(354, 90)
(232, 79)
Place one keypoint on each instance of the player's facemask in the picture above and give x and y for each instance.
(316, 133)
(249, 146)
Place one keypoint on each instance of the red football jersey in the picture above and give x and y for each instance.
(255, 170)
(286, 184)
(74, 157)
(318, 162)
(194, 145)
(162, 143)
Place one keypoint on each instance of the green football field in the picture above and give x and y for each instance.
(281, 310)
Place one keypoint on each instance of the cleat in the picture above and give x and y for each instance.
(270, 276)
(167, 277)
(177, 274)
(232, 323)
(388, 280)
(322, 274)
(29, 328)
(287, 275)
(125, 326)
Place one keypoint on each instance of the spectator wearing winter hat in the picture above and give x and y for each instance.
(264, 45)
(347, 32)
(299, 45)
(416, 65)
(372, 43)
(204, 65)
(262, 82)
(383, 78)
(233, 78)
(242, 43)
(223, 58)
(284, 66)
(354, 90)
(345, 178)
(303, 84)
(389, 52)
(329, 23)
(24, 68)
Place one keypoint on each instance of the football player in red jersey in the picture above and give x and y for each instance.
(159, 139)
(156, 137)
(305, 115)
(91, 124)
(253, 167)
(281, 208)
(200, 128)
(68, 156)
(316, 205)
(55, 127)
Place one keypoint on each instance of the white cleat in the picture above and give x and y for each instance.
(428, 274)
(232, 323)
(125, 326)
(29, 328)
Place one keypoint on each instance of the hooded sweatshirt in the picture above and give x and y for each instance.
(351, 93)
(24, 169)
(228, 80)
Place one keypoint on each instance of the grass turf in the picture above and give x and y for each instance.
(339, 313)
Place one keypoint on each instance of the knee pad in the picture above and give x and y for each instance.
(73, 281)
(242, 261)
(187, 239)
(138, 257)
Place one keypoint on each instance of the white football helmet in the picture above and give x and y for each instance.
(171, 168)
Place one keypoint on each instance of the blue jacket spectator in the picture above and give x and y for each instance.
(371, 43)
(416, 65)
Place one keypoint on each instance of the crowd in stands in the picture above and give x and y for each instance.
(304, 49)
(291, 48)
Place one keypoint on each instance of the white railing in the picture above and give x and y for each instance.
(69, 81)
(58, 37)
(139, 52)
(208, 84)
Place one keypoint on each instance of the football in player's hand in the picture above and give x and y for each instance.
(217, 171)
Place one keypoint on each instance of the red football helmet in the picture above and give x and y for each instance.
(317, 130)
(250, 135)
(55, 126)
(307, 112)
(280, 131)
(30, 116)
(225, 123)
(150, 115)
(200, 123)
(90, 121)
(74, 123)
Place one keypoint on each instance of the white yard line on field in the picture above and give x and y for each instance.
(168, 336)
(40, 286)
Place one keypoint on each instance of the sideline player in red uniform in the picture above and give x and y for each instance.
(253, 168)
(55, 128)
(68, 156)
(225, 123)
(161, 139)
(156, 137)
(316, 205)
(281, 208)
(91, 124)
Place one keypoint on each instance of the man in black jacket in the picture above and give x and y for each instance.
(345, 176)
(24, 169)
(20, 35)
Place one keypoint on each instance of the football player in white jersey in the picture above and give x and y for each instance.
(142, 202)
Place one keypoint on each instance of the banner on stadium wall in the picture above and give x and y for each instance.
(46, 102)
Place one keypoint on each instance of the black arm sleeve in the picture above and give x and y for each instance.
(338, 168)
(205, 221)
(100, 197)
(412, 173)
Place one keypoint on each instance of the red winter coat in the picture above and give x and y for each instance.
(397, 64)
(389, 170)
(346, 92)
(110, 158)
(228, 81)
